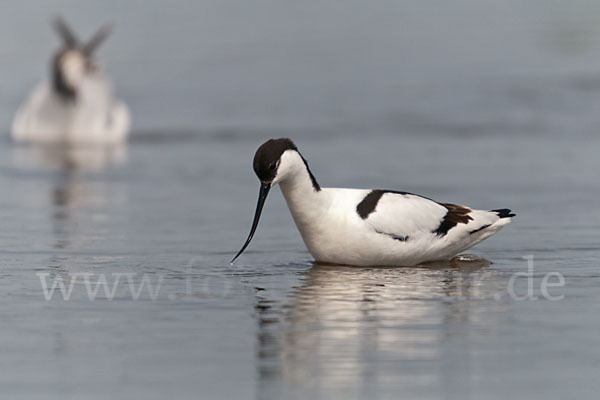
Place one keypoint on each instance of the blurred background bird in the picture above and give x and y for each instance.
(76, 105)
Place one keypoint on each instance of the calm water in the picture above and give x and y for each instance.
(491, 105)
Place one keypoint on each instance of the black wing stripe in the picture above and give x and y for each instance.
(480, 229)
(395, 237)
(369, 203)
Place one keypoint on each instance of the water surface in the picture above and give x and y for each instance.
(491, 105)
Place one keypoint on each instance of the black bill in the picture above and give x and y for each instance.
(262, 196)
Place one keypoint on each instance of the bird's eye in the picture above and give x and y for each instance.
(272, 166)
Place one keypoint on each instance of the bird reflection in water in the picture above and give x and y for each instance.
(352, 330)
(76, 188)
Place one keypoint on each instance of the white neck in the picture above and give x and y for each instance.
(305, 202)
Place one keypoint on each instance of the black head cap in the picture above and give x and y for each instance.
(266, 159)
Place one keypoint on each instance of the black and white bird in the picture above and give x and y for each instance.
(367, 227)
(76, 105)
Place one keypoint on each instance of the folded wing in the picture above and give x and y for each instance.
(401, 215)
